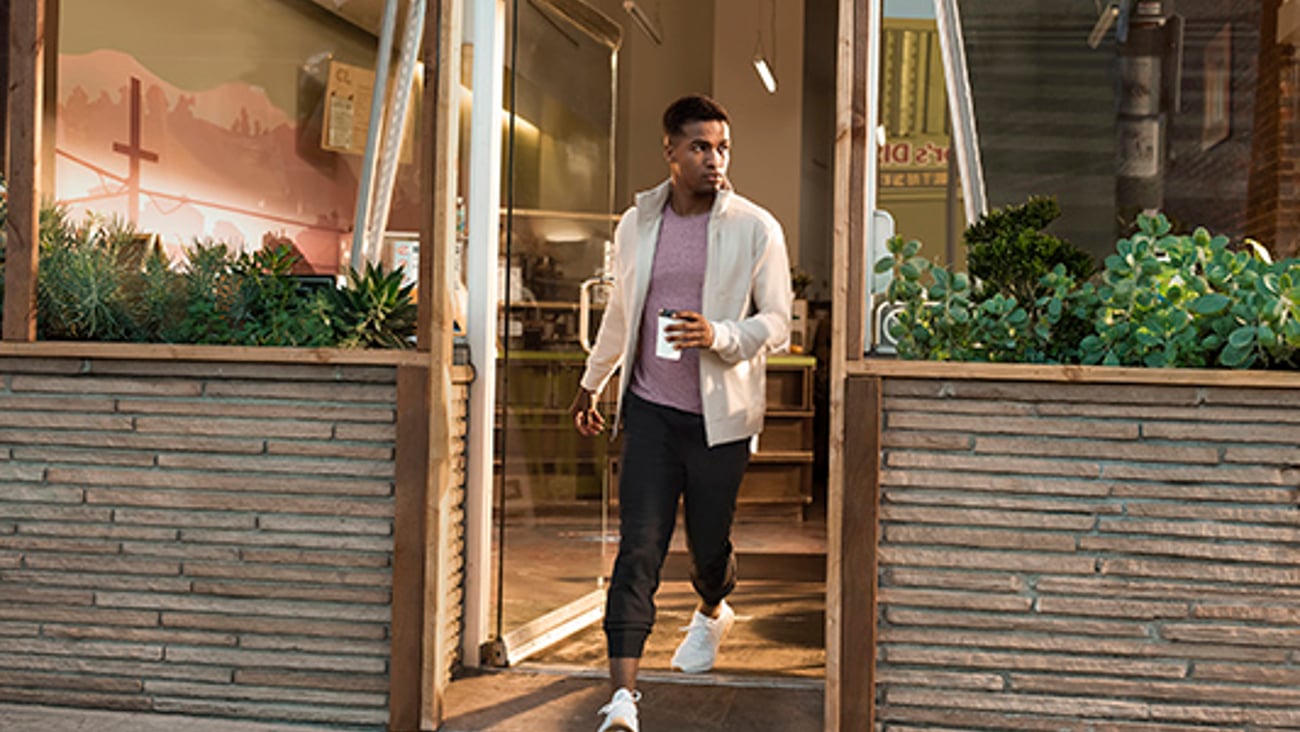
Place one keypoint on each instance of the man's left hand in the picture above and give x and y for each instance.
(692, 331)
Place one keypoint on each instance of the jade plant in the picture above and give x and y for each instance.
(1161, 300)
(1169, 300)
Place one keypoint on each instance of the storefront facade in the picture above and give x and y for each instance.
(912, 117)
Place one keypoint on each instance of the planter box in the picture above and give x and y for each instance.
(202, 530)
(1085, 548)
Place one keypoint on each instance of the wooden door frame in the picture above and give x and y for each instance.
(851, 506)
(422, 555)
(23, 178)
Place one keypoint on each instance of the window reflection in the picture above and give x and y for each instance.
(1184, 107)
(918, 186)
(213, 129)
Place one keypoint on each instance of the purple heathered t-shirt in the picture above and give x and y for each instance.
(676, 283)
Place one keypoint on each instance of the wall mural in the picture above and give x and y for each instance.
(223, 163)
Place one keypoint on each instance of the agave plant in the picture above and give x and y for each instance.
(375, 310)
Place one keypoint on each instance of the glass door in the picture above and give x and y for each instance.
(553, 542)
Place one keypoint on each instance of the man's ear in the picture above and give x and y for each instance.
(668, 149)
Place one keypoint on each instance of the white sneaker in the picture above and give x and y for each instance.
(699, 650)
(620, 712)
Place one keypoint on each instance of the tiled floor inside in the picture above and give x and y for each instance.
(779, 600)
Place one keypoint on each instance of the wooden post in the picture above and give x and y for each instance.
(843, 684)
(438, 234)
(426, 421)
(22, 228)
(4, 81)
(859, 168)
(411, 547)
(858, 565)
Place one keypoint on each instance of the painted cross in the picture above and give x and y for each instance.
(135, 154)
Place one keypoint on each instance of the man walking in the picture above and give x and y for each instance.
(701, 294)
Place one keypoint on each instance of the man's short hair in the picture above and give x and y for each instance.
(692, 108)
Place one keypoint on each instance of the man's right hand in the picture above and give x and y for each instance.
(586, 417)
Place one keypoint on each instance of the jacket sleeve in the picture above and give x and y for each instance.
(767, 328)
(607, 353)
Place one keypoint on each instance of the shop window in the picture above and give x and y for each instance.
(919, 180)
(203, 120)
(1116, 108)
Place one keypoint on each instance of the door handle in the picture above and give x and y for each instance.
(584, 309)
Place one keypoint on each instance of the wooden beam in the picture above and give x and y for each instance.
(22, 228)
(438, 235)
(858, 565)
(426, 419)
(4, 80)
(863, 25)
(410, 547)
(1072, 374)
(846, 331)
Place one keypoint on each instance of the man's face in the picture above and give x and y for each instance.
(698, 157)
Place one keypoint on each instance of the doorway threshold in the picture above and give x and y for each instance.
(551, 700)
(736, 681)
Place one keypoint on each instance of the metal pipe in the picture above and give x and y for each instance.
(382, 62)
(395, 130)
(965, 132)
(484, 221)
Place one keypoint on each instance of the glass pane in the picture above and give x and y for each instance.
(556, 224)
(918, 184)
(220, 128)
(1181, 107)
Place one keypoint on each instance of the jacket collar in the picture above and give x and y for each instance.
(650, 203)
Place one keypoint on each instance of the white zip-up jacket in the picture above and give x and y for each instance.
(747, 300)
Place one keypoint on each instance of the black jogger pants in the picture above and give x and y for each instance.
(665, 455)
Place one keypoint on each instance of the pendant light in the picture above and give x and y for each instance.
(763, 66)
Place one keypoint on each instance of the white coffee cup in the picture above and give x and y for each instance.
(664, 349)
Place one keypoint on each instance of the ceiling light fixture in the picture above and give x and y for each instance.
(765, 68)
(648, 25)
(765, 74)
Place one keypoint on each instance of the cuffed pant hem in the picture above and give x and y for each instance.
(626, 643)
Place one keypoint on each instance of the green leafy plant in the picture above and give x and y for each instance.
(1163, 300)
(100, 280)
(81, 289)
(268, 307)
(943, 319)
(1008, 251)
(250, 299)
(156, 300)
(1170, 300)
(208, 287)
(1020, 303)
(800, 281)
(375, 310)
